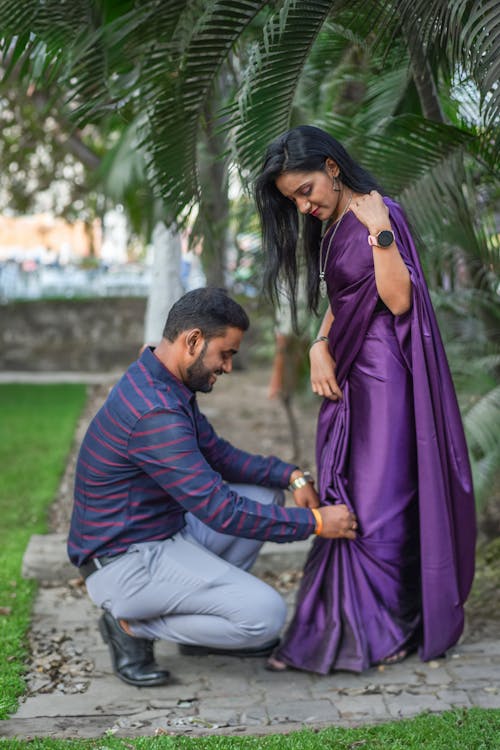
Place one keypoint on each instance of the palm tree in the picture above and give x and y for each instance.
(410, 87)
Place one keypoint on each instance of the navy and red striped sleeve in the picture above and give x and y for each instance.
(236, 465)
(165, 445)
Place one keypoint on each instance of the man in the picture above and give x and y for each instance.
(168, 517)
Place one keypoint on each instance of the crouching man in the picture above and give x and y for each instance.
(168, 517)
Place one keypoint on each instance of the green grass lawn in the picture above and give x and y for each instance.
(36, 430)
(37, 424)
(475, 729)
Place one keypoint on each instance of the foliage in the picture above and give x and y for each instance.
(36, 430)
(467, 320)
(37, 171)
(162, 60)
(347, 65)
(48, 163)
(484, 600)
(157, 65)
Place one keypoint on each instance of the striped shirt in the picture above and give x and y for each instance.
(150, 455)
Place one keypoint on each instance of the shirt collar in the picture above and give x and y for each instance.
(162, 373)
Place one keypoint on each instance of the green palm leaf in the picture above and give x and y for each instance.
(467, 33)
(448, 222)
(177, 97)
(485, 473)
(444, 30)
(482, 428)
(34, 36)
(402, 149)
(272, 77)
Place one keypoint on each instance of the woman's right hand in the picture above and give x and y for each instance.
(323, 380)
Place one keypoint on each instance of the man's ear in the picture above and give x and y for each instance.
(194, 341)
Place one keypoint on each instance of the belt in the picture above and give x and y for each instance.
(96, 563)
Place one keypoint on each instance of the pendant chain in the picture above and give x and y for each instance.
(322, 267)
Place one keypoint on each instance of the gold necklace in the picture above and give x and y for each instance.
(323, 289)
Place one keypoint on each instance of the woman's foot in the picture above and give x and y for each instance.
(394, 658)
(275, 665)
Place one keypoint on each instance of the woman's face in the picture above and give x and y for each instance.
(312, 192)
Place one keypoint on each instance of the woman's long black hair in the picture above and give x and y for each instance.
(302, 149)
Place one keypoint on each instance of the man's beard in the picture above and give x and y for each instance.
(198, 376)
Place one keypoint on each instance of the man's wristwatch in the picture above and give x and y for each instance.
(301, 481)
(385, 238)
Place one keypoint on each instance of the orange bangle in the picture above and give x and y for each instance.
(319, 521)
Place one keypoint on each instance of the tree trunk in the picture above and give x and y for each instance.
(214, 207)
(423, 76)
(166, 287)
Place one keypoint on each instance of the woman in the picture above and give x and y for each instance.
(390, 441)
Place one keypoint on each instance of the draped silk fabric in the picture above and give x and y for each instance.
(393, 449)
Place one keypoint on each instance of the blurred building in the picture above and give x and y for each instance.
(45, 238)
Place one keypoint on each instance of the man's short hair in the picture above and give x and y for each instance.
(210, 309)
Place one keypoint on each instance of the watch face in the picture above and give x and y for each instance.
(385, 238)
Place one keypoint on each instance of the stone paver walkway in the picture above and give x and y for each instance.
(221, 694)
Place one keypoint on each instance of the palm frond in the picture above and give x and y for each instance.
(272, 77)
(447, 221)
(482, 423)
(157, 58)
(469, 32)
(473, 320)
(348, 74)
(177, 98)
(402, 149)
(112, 61)
(317, 88)
(34, 36)
(474, 360)
(485, 473)
(383, 97)
(122, 175)
(65, 51)
(52, 21)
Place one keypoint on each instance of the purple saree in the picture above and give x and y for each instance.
(394, 451)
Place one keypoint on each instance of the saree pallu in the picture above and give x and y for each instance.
(393, 450)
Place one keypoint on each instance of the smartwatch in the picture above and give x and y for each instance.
(385, 238)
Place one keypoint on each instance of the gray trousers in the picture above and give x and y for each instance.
(194, 588)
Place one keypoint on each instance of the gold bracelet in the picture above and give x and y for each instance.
(319, 521)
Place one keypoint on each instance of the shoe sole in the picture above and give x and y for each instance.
(188, 650)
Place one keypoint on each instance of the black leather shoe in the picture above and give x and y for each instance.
(187, 650)
(132, 658)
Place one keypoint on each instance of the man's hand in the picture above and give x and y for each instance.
(338, 522)
(306, 497)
